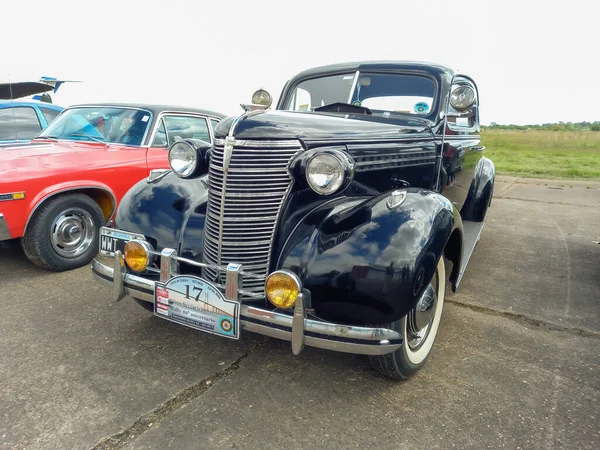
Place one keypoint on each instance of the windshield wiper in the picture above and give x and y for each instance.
(342, 107)
(93, 138)
(46, 136)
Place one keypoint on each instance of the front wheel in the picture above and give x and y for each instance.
(418, 328)
(63, 233)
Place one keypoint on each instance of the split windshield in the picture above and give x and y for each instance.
(380, 92)
(100, 124)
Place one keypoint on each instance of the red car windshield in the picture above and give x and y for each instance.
(100, 124)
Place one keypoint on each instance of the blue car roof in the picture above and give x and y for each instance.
(11, 104)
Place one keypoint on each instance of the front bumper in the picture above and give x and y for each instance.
(295, 328)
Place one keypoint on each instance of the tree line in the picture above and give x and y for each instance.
(560, 126)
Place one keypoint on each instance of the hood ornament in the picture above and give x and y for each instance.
(396, 198)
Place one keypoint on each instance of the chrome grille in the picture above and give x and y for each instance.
(244, 204)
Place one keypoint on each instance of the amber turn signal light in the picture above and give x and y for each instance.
(282, 288)
(137, 256)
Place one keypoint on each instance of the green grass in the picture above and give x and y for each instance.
(541, 154)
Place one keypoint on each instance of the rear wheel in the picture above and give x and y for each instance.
(418, 329)
(63, 233)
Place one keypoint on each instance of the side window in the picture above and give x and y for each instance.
(19, 123)
(49, 114)
(160, 139)
(213, 124)
(186, 127)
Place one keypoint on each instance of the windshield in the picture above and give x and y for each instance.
(380, 92)
(100, 124)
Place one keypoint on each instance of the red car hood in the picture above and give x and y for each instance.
(37, 159)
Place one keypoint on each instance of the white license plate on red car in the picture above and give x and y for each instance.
(112, 240)
(196, 303)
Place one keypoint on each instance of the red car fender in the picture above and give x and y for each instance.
(99, 192)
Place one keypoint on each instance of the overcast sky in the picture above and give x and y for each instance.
(534, 61)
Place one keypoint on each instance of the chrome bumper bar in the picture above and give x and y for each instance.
(4, 233)
(295, 328)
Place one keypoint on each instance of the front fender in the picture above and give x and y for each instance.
(480, 192)
(365, 263)
(160, 210)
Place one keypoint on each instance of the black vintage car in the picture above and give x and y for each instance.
(327, 222)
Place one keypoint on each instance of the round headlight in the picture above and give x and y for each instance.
(183, 159)
(137, 255)
(462, 97)
(282, 288)
(262, 97)
(325, 173)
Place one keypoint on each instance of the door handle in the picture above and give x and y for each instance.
(477, 148)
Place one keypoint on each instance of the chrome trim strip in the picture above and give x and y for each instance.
(288, 143)
(156, 175)
(326, 335)
(26, 145)
(462, 137)
(201, 265)
(354, 83)
(4, 233)
(11, 194)
(76, 188)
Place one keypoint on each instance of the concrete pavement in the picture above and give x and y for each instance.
(515, 364)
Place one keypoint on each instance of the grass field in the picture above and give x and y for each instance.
(541, 153)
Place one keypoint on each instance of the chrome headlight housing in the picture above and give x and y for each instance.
(328, 170)
(183, 159)
(189, 157)
(462, 97)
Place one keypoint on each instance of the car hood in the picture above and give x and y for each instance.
(32, 159)
(324, 127)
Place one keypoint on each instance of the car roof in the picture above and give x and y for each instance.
(21, 103)
(154, 109)
(378, 65)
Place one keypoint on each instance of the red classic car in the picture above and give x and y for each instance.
(59, 189)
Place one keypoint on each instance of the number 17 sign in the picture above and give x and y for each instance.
(196, 303)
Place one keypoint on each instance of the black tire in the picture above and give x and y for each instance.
(146, 305)
(405, 362)
(63, 233)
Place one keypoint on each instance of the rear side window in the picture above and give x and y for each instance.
(18, 123)
(49, 114)
(186, 127)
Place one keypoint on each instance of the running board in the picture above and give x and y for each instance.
(471, 235)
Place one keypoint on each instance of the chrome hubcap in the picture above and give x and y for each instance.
(418, 321)
(72, 232)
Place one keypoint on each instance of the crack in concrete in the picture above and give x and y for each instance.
(542, 201)
(144, 423)
(507, 187)
(526, 320)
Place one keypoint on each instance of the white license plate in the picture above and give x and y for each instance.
(196, 303)
(112, 240)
